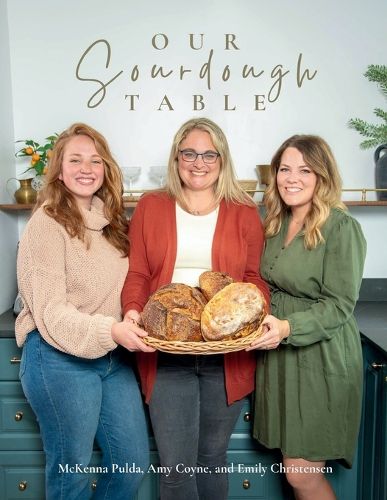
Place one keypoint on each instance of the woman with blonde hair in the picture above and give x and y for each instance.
(72, 261)
(201, 221)
(309, 376)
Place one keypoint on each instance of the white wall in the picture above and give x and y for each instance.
(338, 39)
(8, 227)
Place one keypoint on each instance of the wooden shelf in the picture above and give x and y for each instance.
(130, 201)
(16, 207)
(365, 203)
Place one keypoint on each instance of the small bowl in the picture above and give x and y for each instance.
(249, 185)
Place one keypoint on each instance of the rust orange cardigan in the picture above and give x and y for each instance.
(236, 250)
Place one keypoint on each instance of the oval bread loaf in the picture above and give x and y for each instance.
(235, 311)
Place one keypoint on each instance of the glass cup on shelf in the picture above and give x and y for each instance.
(159, 174)
(130, 174)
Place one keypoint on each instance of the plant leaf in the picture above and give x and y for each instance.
(380, 113)
(370, 143)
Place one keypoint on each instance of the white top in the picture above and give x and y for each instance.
(194, 245)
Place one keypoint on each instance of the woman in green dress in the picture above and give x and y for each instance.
(309, 374)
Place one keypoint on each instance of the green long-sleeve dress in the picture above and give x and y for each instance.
(309, 390)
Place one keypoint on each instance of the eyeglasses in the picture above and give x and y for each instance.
(191, 156)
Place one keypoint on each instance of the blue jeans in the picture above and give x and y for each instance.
(192, 424)
(76, 400)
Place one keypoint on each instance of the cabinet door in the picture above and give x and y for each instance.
(260, 474)
(383, 432)
(9, 359)
(18, 427)
(256, 474)
(373, 429)
(241, 435)
(22, 476)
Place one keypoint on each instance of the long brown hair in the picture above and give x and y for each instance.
(60, 204)
(327, 194)
(227, 186)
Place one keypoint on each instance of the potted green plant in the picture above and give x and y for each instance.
(39, 155)
(376, 134)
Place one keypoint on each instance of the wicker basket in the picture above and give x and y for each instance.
(213, 347)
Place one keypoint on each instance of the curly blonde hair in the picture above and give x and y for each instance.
(327, 194)
(60, 204)
(227, 186)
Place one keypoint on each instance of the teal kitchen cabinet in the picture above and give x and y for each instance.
(373, 437)
(254, 472)
(371, 315)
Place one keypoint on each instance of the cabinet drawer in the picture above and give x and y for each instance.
(250, 476)
(28, 483)
(22, 477)
(18, 427)
(10, 356)
(245, 420)
(24, 482)
(241, 435)
(259, 475)
(17, 416)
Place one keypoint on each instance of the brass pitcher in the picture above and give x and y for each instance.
(26, 194)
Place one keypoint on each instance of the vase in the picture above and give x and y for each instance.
(38, 182)
(25, 194)
(380, 158)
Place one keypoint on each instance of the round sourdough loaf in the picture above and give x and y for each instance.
(235, 311)
(211, 282)
(173, 312)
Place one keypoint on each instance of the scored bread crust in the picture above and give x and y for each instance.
(211, 282)
(173, 312)
(234, 312)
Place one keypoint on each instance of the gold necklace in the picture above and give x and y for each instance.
(206, 210)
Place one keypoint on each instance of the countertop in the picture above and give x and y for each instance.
(370, 315)
(372, 320)
(7, 324)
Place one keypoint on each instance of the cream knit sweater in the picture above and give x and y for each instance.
(71, 294)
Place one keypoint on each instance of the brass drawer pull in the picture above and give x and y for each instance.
(246, 484)
(377, 366)
(247, 417)
(23, 485)
(14, 360)
(18, 416)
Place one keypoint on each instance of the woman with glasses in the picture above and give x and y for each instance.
(201, 221)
